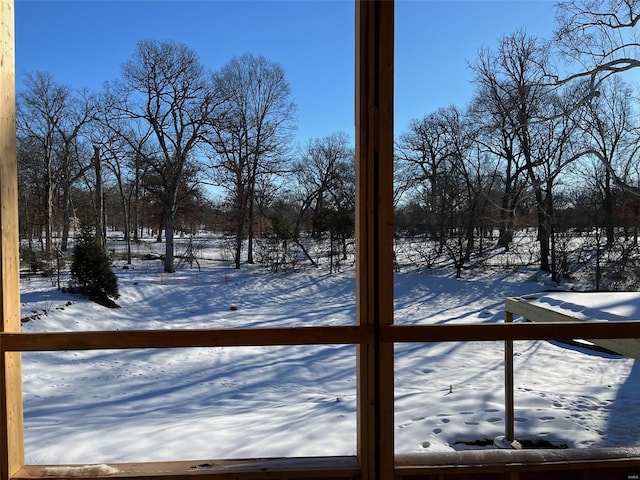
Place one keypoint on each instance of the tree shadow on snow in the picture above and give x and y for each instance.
(623, 425)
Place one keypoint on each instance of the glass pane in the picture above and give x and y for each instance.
(184, 404)
(451, 397)
(503, 189)
(239, 213)
(262, 232)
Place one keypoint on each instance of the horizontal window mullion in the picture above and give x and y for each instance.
(511, 331)
(131, 339)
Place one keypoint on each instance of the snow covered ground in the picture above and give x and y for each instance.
(202, 403)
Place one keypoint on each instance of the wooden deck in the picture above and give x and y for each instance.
(555, 307)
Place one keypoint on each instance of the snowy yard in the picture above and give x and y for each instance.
(201, 403)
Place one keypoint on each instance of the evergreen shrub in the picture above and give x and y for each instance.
(91, 270)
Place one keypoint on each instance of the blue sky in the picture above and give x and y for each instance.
(82, 43)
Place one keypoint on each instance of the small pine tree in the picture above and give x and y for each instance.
(91, 271)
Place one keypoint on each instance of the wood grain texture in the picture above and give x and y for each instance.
(123, 339)
(486, 332)
(11, 423)
(374, 232)
(245, 469)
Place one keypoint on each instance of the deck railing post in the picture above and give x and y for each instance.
(509, 410)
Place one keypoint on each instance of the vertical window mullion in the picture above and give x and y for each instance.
(374, 233)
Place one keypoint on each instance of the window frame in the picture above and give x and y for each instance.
(374, 334)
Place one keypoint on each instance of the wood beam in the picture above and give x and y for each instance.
(374, 233)
(487, 332)
(232, 337)
(309, 468)
(11, 423)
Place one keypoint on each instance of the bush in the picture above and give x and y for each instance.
(91, 271)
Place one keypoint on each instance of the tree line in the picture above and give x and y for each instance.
(533, 148)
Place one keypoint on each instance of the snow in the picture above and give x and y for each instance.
(101, 407)
(589, 306)
(77, 471)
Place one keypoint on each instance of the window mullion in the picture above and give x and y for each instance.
(374, 233)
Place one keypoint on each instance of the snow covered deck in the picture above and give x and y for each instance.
(572, 307)
(583, 307)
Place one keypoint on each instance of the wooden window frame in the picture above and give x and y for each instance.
(374, 334)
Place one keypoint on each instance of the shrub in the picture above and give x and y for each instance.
(91, 271)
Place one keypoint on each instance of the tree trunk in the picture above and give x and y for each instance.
(48, 216)
(238, 251)
(470, 242)
(125, 203)
(135, 213)
(543, 232)
(555, 274)
(250, 225)
(127, 234)
(66, 215)
(505, 229)
(608, 211)
(251, 202)
(241, 214)
(304, 250)
(169, 230)
(99, 198)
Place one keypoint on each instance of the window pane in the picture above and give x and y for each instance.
(182, 404)
(450, 396)
(263, 228)
(495, 198)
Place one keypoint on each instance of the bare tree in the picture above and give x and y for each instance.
(40, 110)
(426, 148)
(165, 86)
(553, 144)
(600, 35)
(516, 74)
(123, 151)
(492, 110)
(319, 173)
(319, 176)
(31, 179)
(75, 156)
(55, 119)
(250, 136)
(609, 129)
(125, 148)
(476, 176)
